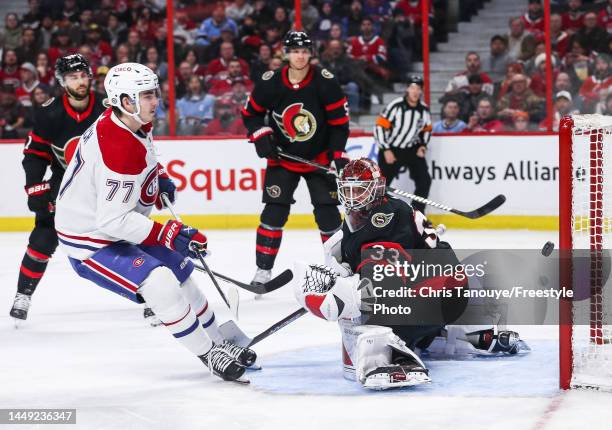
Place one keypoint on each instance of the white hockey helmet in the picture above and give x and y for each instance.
(130, 79)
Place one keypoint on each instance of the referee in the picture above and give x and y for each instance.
(401, 133)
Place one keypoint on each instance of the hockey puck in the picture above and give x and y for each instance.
(547, 249)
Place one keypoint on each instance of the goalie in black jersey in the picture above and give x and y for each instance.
(382, 357)
(301, 109)
(58, 125)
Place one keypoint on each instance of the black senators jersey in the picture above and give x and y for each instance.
(57, 129)
(395, 225)
(309, 119)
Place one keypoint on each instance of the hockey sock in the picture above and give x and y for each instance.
(268, 242)
(163, 294)
(199, 304)
(31, 271)
(327, 234)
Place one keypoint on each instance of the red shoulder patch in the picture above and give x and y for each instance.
(121, 151)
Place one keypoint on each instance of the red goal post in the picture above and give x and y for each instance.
(585, 228)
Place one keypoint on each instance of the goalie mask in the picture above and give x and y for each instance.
(361, 187)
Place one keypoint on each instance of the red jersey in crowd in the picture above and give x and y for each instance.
(412, 10)
(235, 128)
(561, 43)
(591, 88)
(372, 51)
(10, 79)
(222, 83)
(572, 20)
(604, 19)
(24, 94)
(220, 65)
(533, 26)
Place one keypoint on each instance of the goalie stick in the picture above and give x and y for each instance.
(485, 209)
(272, 285)
(232, 300)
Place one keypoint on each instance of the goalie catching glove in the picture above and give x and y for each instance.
(319, 290)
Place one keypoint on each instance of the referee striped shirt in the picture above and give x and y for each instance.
(402, 126)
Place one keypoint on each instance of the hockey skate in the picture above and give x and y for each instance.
(223, 365)
(261, 277)
(244, 356)
(150, 317)
(20, 308)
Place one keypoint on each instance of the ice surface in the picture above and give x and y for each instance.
(85, 348)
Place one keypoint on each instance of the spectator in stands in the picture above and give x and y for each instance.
(280, 21)
(516, 38)
(310, 16)
(563, 106)
(275, 63)
(335, 60)
(195, 109)
(29, 81)
(459, 83)
(45, 32)
(12, 114)
(538, 76)
(533, 20)
(468, 101)
(326, 19)
(40, 95)
(352, 22)
(10, 37)
(400, 41)
(33, 17)
(595, 38)
(226, 53)
(101, 51)
(152, 57)
(238, 10)
(122, 54)
(450, 122)
(222, 82)
(116, 30)
(606, 107)
(185, 72)
(496, 62)
(262, 63)
(370, 50)
(69, 12)
(9, 74)
(520, 121)
(98, 84)
(573, 18)
(263, 14)
(29, 47)
(484, 120)
(520, 97)
(596, 87)
(46, 75)
(225, 121)
(210, 30)
(61, 47)
(604, 18)
(162, 127)
(239, 95)
(559, 38)
(134, 45)
(577, 62)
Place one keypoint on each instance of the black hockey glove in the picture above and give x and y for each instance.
(40, 198)
(339, 164)
(264, 143)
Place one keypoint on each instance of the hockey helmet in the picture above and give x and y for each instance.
(71, 63)
(296, 39)
(415, 79)
(129, 79)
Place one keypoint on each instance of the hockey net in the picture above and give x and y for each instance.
(585, 238)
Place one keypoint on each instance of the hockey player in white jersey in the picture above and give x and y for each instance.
(103, 224)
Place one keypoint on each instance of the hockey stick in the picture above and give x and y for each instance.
(485, 209)
(230, 330)
(272, 285)
(232, 292)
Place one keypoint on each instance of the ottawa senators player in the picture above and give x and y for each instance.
(58, 124)
(386, 356)
(307, 115)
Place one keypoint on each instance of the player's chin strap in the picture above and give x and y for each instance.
(135, 115)
(485, 209)
(232, 299)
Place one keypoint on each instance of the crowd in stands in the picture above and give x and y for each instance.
(506, 89)
(223, 48)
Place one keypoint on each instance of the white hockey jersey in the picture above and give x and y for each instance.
(108, 190)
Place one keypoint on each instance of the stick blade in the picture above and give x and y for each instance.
(486, 209)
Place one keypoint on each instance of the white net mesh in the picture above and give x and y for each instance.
(592, 232)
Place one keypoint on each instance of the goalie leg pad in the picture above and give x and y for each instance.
(163, 294)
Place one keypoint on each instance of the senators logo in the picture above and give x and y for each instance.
(65, 154)
(381, 220)
(296, 123)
